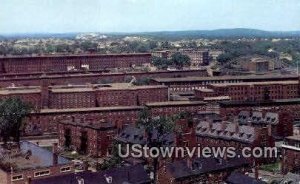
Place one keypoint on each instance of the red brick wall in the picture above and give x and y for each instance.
(54, 64)
(72, 100)
(81, 78)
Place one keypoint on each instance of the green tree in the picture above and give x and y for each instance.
(162, 125)
(13, 111)
(160, 62)
(180, 60)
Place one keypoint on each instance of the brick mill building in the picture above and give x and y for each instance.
(32, 64)
(87, 96)
(251, 91)
(94, 77)
(198, 57)
(289, 106)
(189, 84)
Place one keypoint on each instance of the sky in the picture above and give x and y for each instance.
(63, 16)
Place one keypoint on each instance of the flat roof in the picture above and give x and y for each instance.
(175, 103)
(217, 98)
(255, 83)
(104, 87)
(91, 109)
(205, 90)
(221, 78)
(96, 125)
(75, 56)
(40, 158)
(262, 103)
(20, 90)
(295, 138)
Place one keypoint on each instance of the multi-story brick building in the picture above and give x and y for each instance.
(233, 108)
(291, 154)
(70, 62)
(169, 108)
(228, 134)
(46, 121)
(201, 170)
(87, 137)
(30, 95)
(256, 91)
(197, 57)
(87, 96)
(26, 162)
(188, 84)
(79, 77)
(279, 124)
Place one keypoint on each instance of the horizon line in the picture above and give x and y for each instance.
(140, 32)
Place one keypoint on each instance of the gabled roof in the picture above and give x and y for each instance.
(181, 168)
(239, 178)
(132, 174)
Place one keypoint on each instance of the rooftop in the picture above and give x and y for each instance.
(223, 78)
(92, 109)
(239, 178)
(181, 168)
(100, 87)
(295, 138)
(20, 90)
(130, 174)
(255, 83)
(26, 157)
(263, 103)
(97, 125)
(75, 56)
(175, 103)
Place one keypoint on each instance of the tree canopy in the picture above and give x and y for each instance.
(12, 113)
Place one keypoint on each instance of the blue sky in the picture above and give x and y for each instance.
(59, 16)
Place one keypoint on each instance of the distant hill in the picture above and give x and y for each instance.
(222, 33)
(174, 35)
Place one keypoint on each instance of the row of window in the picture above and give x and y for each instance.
(40, 173)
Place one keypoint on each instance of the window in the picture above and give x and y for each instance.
(42, 173)
(65, 169)
(17, 177)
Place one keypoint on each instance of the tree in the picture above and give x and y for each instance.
(162, 125)
(180, 60)
(13, 111)
(223, 58)
(161, 62)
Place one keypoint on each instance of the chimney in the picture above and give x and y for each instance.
(28, 180)
(269, 129)
(189, 163)
(85, 165)
(55, 153)
(256, 172)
